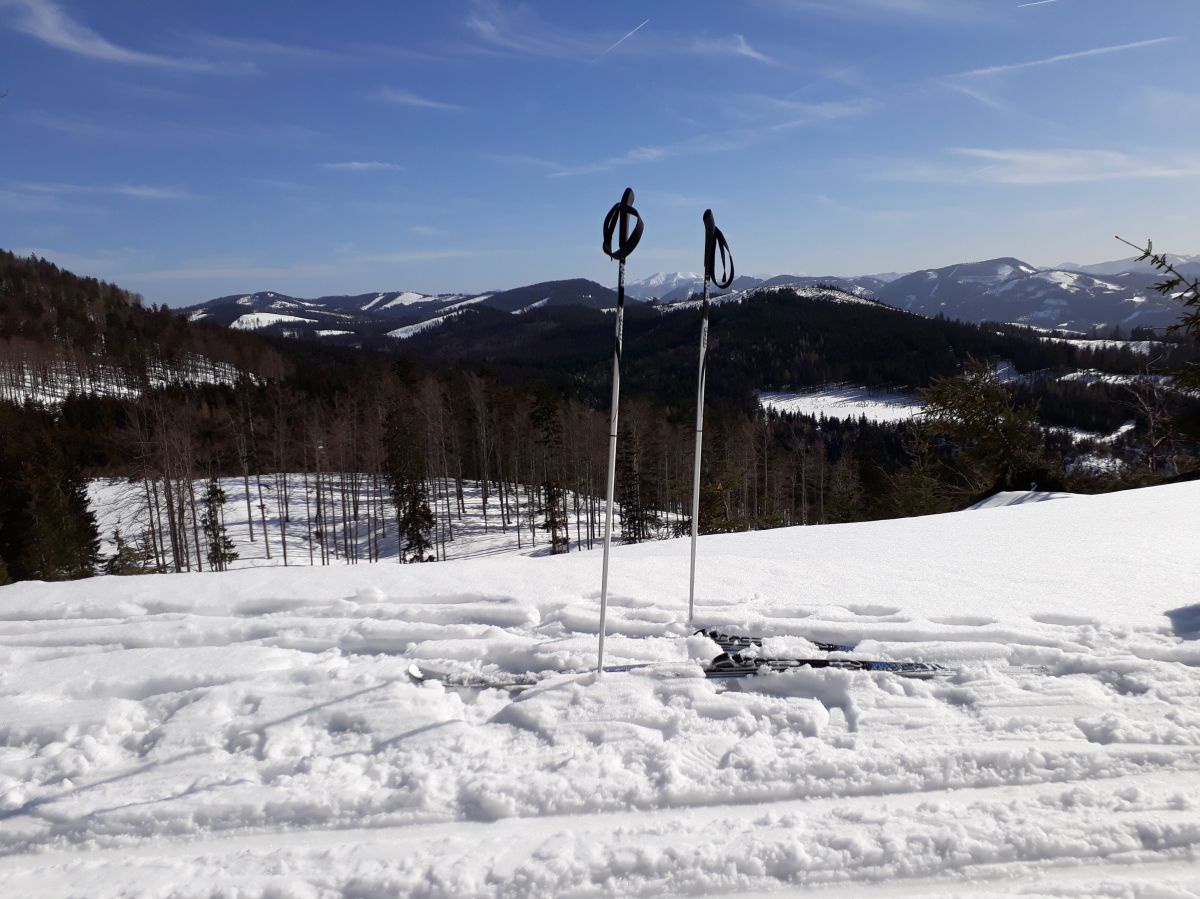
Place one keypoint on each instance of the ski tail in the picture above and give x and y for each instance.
(736, 642)
(737, 665)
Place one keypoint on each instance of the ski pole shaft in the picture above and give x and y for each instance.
(616, 223)
(699, 446)
(714, 241)
(612, 458)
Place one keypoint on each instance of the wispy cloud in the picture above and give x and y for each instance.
(371, 166)
(402, 256)
(426, 231)
(795, 115)
(977, 95)
(402, 97)
(521, 31)
(234, 272)
(259, 47)
(523, 159)
(518, 30)
(47, 22)
(1035, 3)
(137, 191)
(1042, 167)
(736, 45)
(939, 9)
(1066, 57)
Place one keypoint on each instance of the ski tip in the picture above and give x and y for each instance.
(627, 197)
(709, 221)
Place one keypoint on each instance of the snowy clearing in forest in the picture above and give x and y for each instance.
(466, 533)
(843, 401)
(259, 733)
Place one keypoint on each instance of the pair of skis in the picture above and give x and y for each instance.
(740, 658)
(617, 225)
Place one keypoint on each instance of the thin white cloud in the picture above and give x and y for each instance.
(402, 256)
(733, 46)
(426, 231)
(370, 166)
(519, 30)
(936, 9)
(977, 95)
(1067, 57)
(46, 21)
(233, 272)
(1043, 167)
(795, 115)
(137, 191)
(1035, 3)
(523, 159)
(402, 97)
(244, 271)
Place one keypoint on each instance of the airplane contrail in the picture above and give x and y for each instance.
(625, 38)
(1035, 3)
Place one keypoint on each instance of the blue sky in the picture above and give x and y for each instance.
(190, 150)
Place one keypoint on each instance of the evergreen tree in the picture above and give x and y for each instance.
(983, 441)
(546, 420)
(63, 542)
(131, 558)
(414, 518)
(406, 478)
(220, 546)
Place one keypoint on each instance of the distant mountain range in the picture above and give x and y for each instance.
(1096, 297)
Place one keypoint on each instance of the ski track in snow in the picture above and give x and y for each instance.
(257, 733)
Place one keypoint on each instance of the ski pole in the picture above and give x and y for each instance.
(615, 223)
(713, 240)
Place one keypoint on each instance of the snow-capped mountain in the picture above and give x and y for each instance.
(1071, 296)
(658, 285)
(1189, 266)
(673, 287)
(1011, 290)
(399, 314)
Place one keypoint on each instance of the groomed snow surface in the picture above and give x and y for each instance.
(257, 733)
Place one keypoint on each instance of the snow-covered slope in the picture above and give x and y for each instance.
(1010, 290)
(258, 732)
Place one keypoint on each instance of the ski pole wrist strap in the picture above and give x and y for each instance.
(714, 240)
(619, 215)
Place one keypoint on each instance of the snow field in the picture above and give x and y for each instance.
(846, 402)
(258, 733)
(122, 504)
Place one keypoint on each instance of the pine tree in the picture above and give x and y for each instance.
(405, 472)
(414, 519)
(131, 558)
(63, 542)
(990, 442)
(220, 546)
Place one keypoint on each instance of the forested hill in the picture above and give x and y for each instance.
(783, 338)
(60, 330)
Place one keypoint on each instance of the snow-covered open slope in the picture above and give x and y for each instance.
(844, 401)
(258, 733)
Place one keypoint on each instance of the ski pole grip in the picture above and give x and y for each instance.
(618, 217)
(714, 240)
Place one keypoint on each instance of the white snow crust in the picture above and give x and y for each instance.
(258, 733)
